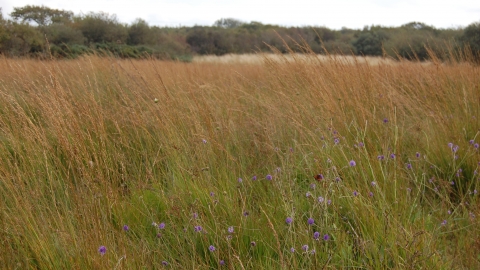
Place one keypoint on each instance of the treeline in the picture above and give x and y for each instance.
(39, 31)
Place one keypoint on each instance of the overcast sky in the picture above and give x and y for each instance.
(333, 14)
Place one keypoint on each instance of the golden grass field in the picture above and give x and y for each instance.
(171, 150)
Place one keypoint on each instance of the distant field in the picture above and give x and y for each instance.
(261, 57)
(263, 162)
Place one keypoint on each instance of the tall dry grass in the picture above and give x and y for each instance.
(90, 145)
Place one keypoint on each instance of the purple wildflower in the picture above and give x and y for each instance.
(360, 144)
(319, 177)
(308, 194)
(230, 229)
(253, 243)
(240, 180)
(326, 237)
(417, 154)
(312, 251)
(380, 157)
(305, 247)
(165, 263)
(449, 212)
(195, 215)
(316, 235)
(455, 149)
(246, 214)
(450, 145)
(288, 220)
(385, 120)
(373, 183)
(222, 262)
(370, 194)
(355, 193)
(476, 146)
(268, 177)
(102, 250)
(310, 221)
(471, 141)
(254, 178)
(211, 248)
(329, 202)
(212, 194)
(444, 222)
(204, 141)
(161, 226)
(198, 228)
(292, 250)
(126, 228)
(159, 235)
(320, 199)
(352, 163)
(313, 186)
(409, 166)
(392, 156)
(336, 141)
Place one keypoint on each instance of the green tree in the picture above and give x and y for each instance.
(139, 33)
(228, 23)
(101, 27)
(471, 38)
(41, 15)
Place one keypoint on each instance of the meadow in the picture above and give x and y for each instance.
(294, 163)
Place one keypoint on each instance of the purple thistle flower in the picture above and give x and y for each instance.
(355, 193)
(204, 141)
(310, 221)
(195, 215)
(380, 157)
(126, 228)
(444, 222)
(102, 250)
(313, 186)
(476, 146)
(164, 263)
(455, 149)
(246, 214)
(329, 202)
(289, 220)
(360, 144)
(373, 183)
(308, 194)
(336, 141)
(253, 243)
(161, 226)
(409, 166)
(392, 156)
(352, 163)
(305, 247)
(370, 194)
(417, 154)
(292, 250)
(159, 235)
(450, 145)
(385, 120)
(230, 229)
(471, 141)
(312, 251)
(319, 177)
(452, 183)
(254, 178)
(326, 237)
(320, 199)
(212, 194)
(211, 248)
(198, 228)
(240, 180)
(268, 177)
(222, 262)
(316, 235)
(449, 212)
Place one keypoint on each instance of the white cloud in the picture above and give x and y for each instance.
(332, 14)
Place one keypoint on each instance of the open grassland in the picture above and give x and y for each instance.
(295, 164)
